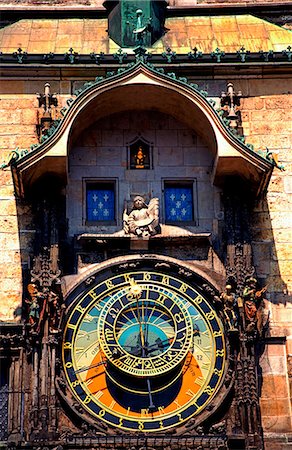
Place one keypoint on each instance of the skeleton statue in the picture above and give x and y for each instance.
(143, 220)
(55, 311)
(228, 299)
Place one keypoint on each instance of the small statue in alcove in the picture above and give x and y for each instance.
(55, 310)
(34, 301)
(140, 159)
(253, 305)
(143, 220)
(229, 304)
(139, 155)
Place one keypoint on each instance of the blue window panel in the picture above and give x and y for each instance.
(100, 205)
(179, 204)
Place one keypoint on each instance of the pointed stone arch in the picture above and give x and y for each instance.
(143, 87)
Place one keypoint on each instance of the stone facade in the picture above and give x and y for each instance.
(100, 152)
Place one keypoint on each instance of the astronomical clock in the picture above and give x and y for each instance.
(143, 348)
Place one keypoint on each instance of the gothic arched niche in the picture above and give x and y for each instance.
(177, 159)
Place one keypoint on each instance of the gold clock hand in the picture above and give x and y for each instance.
(142, 337)
(82, 369)
(151, 404)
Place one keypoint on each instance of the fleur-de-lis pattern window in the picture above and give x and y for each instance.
(179, 204)
(100, 203)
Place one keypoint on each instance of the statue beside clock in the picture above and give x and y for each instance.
(143, 349)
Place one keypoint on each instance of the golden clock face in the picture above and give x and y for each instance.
(143, 350)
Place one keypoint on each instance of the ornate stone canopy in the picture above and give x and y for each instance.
(143, 87)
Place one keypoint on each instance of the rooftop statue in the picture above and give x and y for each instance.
(143, 220)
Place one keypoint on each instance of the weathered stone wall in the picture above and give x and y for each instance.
(16, 129)
(18, 118)
(267, 123)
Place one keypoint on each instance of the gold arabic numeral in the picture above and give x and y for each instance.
(209, 390)
(120, 422)
(220, 352)
(109, 284)
(161, 410)
(146, 276)
(144, 412)
(180, 417)
(198, 300)
(101, 413)
(67, 345)
(183, 287)
(199, 381)
(210, 315)
(217, 334)
(190, 393)
(218, 372)
(111, 406)
(92, 294)
(98, 394)
(141, 425)
(75, 383)
(165, 280)
(87, 399)
(68, 365)
(80, 309)
(127, 277)
(161, 424)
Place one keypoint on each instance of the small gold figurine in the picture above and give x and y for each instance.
(140, 159)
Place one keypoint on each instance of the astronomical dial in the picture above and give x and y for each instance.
(147, 335)
(143, 351)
